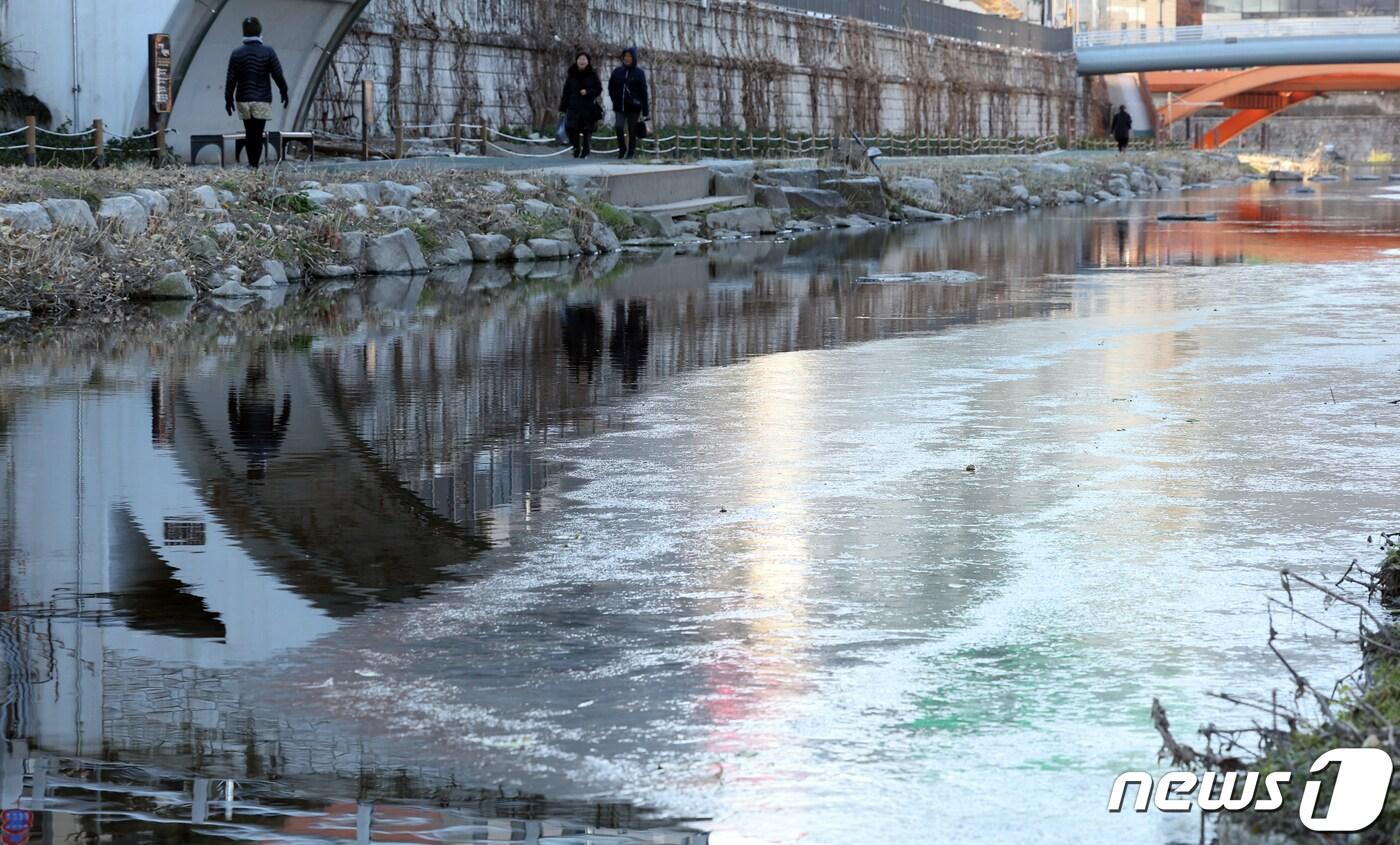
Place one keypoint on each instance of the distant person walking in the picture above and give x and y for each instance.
(631, 102)
(251, 71)
(579, 104)
(1122, 127)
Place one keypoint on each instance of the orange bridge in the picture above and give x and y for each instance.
(1258, 93)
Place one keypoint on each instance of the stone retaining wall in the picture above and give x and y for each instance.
(732, 65)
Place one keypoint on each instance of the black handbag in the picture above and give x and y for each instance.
(641, 129)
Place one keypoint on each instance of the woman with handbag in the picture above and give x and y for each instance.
(631, 102)
(579, 104)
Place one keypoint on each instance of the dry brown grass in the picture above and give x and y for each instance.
(61, 272)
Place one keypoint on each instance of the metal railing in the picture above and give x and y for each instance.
(938, 19)
(1291, 28)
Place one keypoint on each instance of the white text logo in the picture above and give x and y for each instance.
(1363, 781)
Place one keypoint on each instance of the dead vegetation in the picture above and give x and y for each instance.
(1287, 733)
(1320, 161)
(64, 271)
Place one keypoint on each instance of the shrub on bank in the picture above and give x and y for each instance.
(1362, 711)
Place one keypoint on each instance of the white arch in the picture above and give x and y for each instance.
(305, 33)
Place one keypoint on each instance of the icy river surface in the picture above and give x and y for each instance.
(728, 545)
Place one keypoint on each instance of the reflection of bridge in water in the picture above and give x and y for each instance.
(1265, 226)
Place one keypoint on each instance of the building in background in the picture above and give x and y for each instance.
(1232, 10)
(1106, 15)
(1121, 15)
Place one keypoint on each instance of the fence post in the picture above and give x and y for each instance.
(396, 115)
(457, 136)
(485, 133)
(160, 146)
(31, 142)
(99, 144)
(366, 116)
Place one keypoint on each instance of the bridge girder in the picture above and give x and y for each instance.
(1217, 87)
(1247, 117)
(1258, 93)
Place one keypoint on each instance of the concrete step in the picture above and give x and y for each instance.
(638, 185)
(672, 210)
(649, 186)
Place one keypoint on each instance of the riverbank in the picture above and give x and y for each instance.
(1360, 711)
(82, 242)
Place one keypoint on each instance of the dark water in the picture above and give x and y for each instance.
(677, 547)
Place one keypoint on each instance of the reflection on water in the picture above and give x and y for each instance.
(384, 555)
(77, 800)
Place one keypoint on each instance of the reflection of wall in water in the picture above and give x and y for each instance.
(458, 404)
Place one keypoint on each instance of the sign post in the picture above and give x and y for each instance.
(162, 89)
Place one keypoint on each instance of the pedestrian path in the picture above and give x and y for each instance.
(628, 183)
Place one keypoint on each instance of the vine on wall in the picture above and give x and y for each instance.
(737, 66)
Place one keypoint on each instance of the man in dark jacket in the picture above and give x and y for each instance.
(1122, 127)
(251, 71)
(631, 102)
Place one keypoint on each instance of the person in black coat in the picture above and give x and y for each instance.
(579, 104)
(251, 71)
(1122, 127)
(631, 102)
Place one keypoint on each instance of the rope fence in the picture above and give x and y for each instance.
(427, 139)
(94, 147)
(1145, 144)
(91, 147)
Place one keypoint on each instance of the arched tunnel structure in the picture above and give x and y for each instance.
(305, 33)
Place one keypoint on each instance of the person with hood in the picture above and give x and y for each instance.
(1122, 127)
(579, 103)
(251, 71)
(631, 102)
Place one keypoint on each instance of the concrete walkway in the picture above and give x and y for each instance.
(511, 164)
(629, 183)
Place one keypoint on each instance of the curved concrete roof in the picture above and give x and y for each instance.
(305, 33)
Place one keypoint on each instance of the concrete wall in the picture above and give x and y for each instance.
(727, 64)
(730, 65)
(110, 72)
